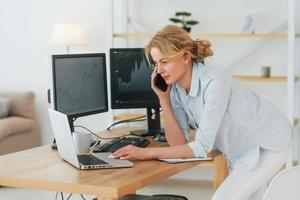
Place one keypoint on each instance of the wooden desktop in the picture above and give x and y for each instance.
(42, 168)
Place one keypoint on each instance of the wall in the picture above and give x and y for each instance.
(25, 50)
(26, 53)
(236, 55)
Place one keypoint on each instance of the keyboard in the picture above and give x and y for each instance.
(90, 160)
(116, 144)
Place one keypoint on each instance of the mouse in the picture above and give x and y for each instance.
(160, 137)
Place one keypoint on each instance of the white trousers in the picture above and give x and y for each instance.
(242, 184)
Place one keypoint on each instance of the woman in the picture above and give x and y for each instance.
(253, 134)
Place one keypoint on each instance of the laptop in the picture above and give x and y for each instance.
(66, 149)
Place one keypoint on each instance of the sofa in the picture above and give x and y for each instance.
(18, 127)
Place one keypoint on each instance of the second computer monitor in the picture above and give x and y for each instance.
(131, 84)
(131, 79)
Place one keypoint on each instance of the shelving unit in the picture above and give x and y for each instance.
(263, 79)
(211, 35)
(289, 37)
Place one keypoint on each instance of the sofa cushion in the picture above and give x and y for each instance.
(22, 103)
(5, 104)
(14, 125)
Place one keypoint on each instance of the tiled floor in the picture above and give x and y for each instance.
(195, 184)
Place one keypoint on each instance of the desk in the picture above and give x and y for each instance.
(42, 168)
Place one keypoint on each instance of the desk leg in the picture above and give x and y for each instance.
(220, 170)
(106, 198)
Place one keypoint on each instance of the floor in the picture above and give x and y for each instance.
(195, 184)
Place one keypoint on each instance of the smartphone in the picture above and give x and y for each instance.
(160, 83)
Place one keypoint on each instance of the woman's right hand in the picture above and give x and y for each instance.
(161, 94)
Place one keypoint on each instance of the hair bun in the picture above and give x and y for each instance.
(204, 43)
(203, 48)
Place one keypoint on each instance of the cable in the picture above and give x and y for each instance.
(56, 195)
(79, 126)
(69, 196)
(123, 121)
(82, 197)
(62, 196)
(127, 120)
(103, 138)
(130, 120)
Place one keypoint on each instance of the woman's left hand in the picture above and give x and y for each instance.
(131, 152)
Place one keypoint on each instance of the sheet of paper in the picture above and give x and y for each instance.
(181, 160)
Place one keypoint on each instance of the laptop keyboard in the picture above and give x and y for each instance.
(90, 160)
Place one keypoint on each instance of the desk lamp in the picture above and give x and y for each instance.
(68, 34)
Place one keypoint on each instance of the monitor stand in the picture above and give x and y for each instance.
(53, 145)
(153, 120)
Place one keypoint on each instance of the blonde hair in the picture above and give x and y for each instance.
(173, 41)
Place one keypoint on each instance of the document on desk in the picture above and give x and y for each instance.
(182, 160)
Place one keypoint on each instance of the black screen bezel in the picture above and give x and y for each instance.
(151, 102)
(62, 56)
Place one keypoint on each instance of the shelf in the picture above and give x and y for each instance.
(263, 79)
(133, 34)
(241, 35)
(211, 35)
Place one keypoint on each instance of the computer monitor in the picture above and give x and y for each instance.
(130, 77)
(79, 84)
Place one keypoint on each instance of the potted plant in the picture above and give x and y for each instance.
(186, 24)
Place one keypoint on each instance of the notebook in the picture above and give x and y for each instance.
(66, 149)
(181, 160)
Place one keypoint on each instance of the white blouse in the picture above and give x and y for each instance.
(228, 117)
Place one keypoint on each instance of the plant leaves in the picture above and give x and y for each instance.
(175, 20)
(192, 22)
(182, 14)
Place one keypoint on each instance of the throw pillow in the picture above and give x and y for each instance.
(5, 103)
